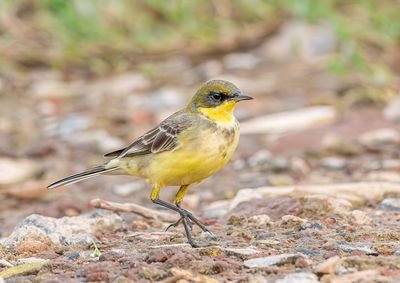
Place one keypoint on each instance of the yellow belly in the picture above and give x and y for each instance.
(200, 154)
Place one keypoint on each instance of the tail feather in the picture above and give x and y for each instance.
(82, 176)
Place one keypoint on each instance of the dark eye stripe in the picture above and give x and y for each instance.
(214, 95)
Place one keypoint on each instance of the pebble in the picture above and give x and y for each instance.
(15, 170)
(260, 221)
(360, 218)
(38, 233)
(51, 88)
(310, 41)
(390, 204)
(334, 163)
(299, 166)
(346, 247)
(101, 140)
(383, 176)
(392, 111)
(272, 260)
(242, 253)
(360, 276)
(274, 207)
(73, 256)
(329, 266)
(259, 158)
(308, 225)
(294, 120)
(241, 61)
(324, 205)
(291, 220)
(243, 195)
(379, 137)
(216, 209)
(300, 277)
(128, 188)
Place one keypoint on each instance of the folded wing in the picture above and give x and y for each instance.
(164, 137)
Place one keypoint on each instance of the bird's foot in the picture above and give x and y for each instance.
(177, 222)
(186, 215)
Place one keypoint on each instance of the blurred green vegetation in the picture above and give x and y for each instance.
(103, 36)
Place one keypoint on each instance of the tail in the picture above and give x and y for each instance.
(82, 176)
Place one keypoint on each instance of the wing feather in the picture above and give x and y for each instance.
(164, 137)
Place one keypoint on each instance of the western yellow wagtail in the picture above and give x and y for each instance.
(187, 147)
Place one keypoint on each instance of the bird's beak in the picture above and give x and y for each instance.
(241, 97)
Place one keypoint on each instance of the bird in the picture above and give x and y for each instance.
(186, 148)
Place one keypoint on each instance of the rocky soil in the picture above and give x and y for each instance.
(311, 195)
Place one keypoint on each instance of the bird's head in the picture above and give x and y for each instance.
(216, 100)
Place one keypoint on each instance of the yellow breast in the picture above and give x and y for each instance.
(201, 153)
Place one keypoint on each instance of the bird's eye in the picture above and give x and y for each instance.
(216, 96)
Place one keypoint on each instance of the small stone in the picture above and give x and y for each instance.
(324, 205)
(241, 61)
(346, 247)
(4, 263)
(38, 233)
(259, 158)
(23, 269)
(238, 220)
(299, 166)
(272, 260)
(274, 207)
(216, 209)
(392, 111)
(98, 139)
(329, 266)
(360, 276)
(334, 163)
(260, 221)
(294, 120)
(263, 236)
(242, 196)
(390, 204)
(291, 221)
(51, 88)
(360, 218)
(383, 176)
(300, 277)
(15, 170)
(379, 137)
(73, 256)
(391, 164)
(128, 188)
(280, 180)
(308, 225)
(242, 253)
(122, 279)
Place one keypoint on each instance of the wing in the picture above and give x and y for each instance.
(162, 138)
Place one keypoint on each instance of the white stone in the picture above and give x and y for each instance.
(360, 217)
(379, 137)
(288, 121)
(15, 170)
(300, 277)
(272, 260)
(243, 195)
(329, 266)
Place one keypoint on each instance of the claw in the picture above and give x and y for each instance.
(186, 218)
(176, 223)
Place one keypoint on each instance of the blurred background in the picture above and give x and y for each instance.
(81, 78)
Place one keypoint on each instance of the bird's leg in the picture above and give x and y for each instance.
(178, 199)
(184, 218)
(185, 215)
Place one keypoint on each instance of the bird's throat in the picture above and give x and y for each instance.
(222, 114)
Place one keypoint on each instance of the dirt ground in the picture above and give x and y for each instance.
(299, 202)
